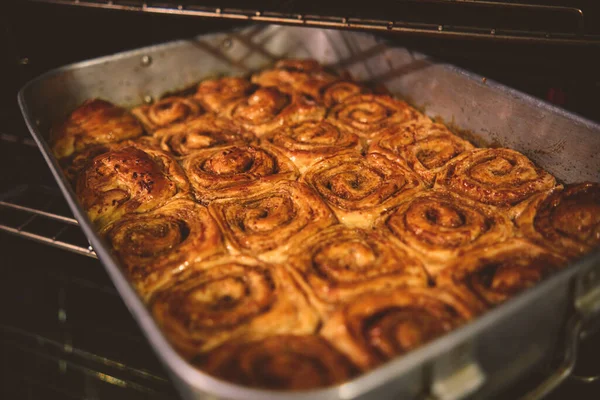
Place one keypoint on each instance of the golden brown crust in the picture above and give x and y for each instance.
(370, 115)
(168, 111)
(441, 227)
(311, 141)
(155, 246)
(269, 224)
(339, 264)
(296, 76)
(214, 94)
(268, 109)
(131, 178)
(95, 122)
(360, 188)
(498, 177)
(200, 133)
(497, 273)
(236, 171)
(227, 298)
(378, 327)
(339, 91)
(283, 362)
(424, 146)
(566, 221)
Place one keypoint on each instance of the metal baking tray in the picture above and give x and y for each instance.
(476, 360)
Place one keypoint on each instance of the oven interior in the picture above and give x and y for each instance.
(64, 332)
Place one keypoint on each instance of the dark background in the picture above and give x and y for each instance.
(64, 332)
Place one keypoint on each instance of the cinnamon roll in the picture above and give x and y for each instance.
(131, 178)
(311, 141)
(441, 227)
(378, 327)
(214, 94)
(426, 147)
(496, 273)
(168, 111)
(359, 189)
(204, 132)
(95, 122)
(369, 115)
(155, 246)
(296, 76)
(227, 298)
(340, 263)
(283, 362)
(268, 109)
(270, 223)
(236, 171)
(498, 177)
(566, 220)
(339, 91)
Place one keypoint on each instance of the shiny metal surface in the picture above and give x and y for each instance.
(503, 344)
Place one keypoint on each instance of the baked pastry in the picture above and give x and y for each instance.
(311, 141)
(378, 327)
(95, 122)
(424, 146)
(282, 362)
(360, 188)
(338, 91)
(496, 273)
(268, 224)
(215, 94)
(228, 298)
(267, 109)
(203, 132)
(168, 111)
(566, 221)
(131, 178)
(296, 76)
(370, 115)
(155, 246)
(339, 264)
(499, 177)
(440, 227)
(236, 171)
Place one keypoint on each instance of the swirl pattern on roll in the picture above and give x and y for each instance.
(131, 178)
(426, 147)
(168, 111)
(155, 246)
(311, 141)
(204, 132)
(214, 94)
(270, 223)
(283, 362)
(339, 91)
(379, 327)
(296, 76)
(441, 227)
(497, 273)
(499, 177)
(95, 122)
(360, 188)
(370, 115)
(236, 171)
(227, 298)
(268, 109)
(566, 220)
(340, 263)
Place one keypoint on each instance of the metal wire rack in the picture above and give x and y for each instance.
(523, 21)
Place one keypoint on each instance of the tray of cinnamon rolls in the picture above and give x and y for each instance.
(320, 214)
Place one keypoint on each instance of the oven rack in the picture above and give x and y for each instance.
(501, 20)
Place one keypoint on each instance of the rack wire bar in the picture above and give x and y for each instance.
(577, 35)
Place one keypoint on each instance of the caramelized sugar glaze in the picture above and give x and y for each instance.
(294, 228)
